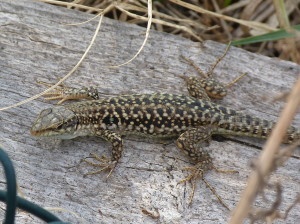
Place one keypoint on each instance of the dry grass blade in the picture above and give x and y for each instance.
(146, 36)
(251, 24)
(186, 22)
(288, 46)
(158, 21)
(235, 6)
(89, 20)
(223, 22)
(281, 14)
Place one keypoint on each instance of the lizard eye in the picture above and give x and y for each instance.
(46, 112)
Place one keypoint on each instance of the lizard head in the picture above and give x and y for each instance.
(58, 121)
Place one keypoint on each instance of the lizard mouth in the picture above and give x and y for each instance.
(37, 133)
(34, 133)
(40, 133)
(36, 129)
(41, 130)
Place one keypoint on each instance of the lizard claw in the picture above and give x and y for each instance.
(105, 162)
(197, 171)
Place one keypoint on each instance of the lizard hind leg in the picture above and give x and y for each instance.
(64, 93)
(188, 142)
(73, 94)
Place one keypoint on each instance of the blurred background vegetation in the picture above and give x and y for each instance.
(268, 27)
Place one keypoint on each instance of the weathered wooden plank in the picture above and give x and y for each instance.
(35, 45)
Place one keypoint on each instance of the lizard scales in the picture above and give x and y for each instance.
(151, 115)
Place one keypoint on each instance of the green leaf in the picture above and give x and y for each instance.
(276, 35)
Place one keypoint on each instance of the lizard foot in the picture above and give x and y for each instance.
(105, 162)
(197, 172)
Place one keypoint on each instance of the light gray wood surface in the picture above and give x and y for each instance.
(36, 45)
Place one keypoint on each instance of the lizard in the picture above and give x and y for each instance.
(191, 119)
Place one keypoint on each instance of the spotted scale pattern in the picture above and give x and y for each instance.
(153, 116)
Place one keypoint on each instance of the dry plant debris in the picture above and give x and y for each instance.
(269, 215)
(221, 21)
(268, 161)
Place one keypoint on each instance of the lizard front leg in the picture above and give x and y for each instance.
(207, 87)
(105, 162)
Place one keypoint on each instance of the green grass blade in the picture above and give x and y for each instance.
(277, 35)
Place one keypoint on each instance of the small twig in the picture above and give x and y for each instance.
(297, 201)
(285, 153)
(271, 213)
(151, 214)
